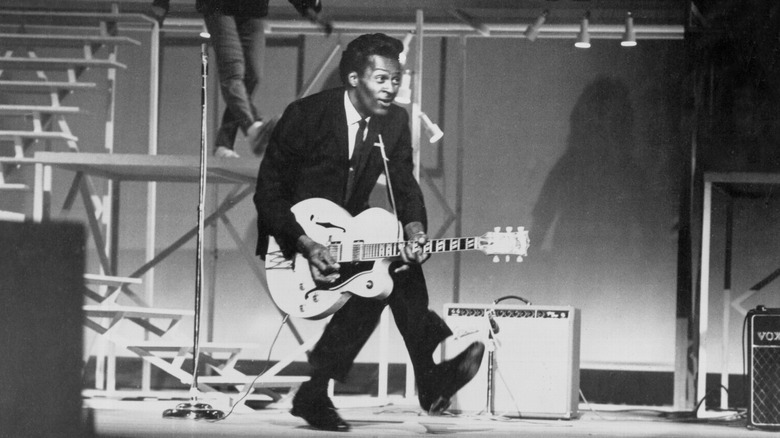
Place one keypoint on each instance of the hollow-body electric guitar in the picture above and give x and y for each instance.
(364, 246)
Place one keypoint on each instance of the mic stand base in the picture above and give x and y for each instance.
(194, 411)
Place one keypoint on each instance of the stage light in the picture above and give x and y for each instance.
(404, 95)
(629, 37)
(434, 132)
(475, 24)
(583, 38)
(204, 32)
(532, 31)
(405, 53)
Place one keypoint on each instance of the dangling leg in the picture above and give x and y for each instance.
(253, 44)
(231, 68)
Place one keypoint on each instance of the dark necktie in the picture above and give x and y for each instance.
(354, 162)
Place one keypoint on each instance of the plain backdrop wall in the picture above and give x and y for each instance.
(608, 209)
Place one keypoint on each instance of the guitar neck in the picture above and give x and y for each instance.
(374, 251)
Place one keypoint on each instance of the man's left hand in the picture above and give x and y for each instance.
(414, 250)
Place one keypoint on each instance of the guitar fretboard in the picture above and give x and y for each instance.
(374, 251)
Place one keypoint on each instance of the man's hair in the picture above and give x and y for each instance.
(358, 54)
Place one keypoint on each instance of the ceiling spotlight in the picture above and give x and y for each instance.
(475, 24)
(532, 31)
(629, 37)
(583, 38)
(204, 33)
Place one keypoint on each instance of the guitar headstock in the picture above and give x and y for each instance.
(507, 243)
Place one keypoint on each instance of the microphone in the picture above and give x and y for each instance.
(493, 324)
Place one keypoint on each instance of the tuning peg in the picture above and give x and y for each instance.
(506, 260)
(497, 229)
(495, 259)
(508, 229)
(519, 259)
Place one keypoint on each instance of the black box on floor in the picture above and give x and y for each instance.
(41, 298)
(764, 362)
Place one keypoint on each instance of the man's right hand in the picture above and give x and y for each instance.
(324, 268)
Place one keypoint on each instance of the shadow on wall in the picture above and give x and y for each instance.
(591, 220)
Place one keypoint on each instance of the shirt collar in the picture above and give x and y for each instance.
(353, 116)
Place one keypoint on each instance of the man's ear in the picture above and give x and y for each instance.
(352, 79)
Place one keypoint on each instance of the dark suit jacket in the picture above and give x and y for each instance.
(308, 157)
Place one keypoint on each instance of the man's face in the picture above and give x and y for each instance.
(375, 89)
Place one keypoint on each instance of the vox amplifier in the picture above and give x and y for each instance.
(531, 366)
(764, 367)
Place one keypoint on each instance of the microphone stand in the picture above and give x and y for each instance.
(491, 407)
(195, 410)
(491, 362)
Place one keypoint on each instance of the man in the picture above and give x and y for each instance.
(310, 155)
(238, 38)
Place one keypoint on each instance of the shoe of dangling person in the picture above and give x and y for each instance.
(449, 377)
(312, 403)
(225, 152)
(159, 10)
(259, 134)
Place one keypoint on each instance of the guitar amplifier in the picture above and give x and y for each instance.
(531, 366)
(764, 362)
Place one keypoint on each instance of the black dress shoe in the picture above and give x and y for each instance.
(317, 409)
(450, 376)
(259, 139)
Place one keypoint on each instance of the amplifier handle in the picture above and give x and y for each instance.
(506, 297)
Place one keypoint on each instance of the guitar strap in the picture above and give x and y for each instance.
(381, 145)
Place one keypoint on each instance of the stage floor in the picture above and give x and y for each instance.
(400, 417)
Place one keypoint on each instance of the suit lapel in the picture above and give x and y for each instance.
(338, 124)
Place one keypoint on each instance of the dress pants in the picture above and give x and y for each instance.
(238, 45)
(351, 326)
